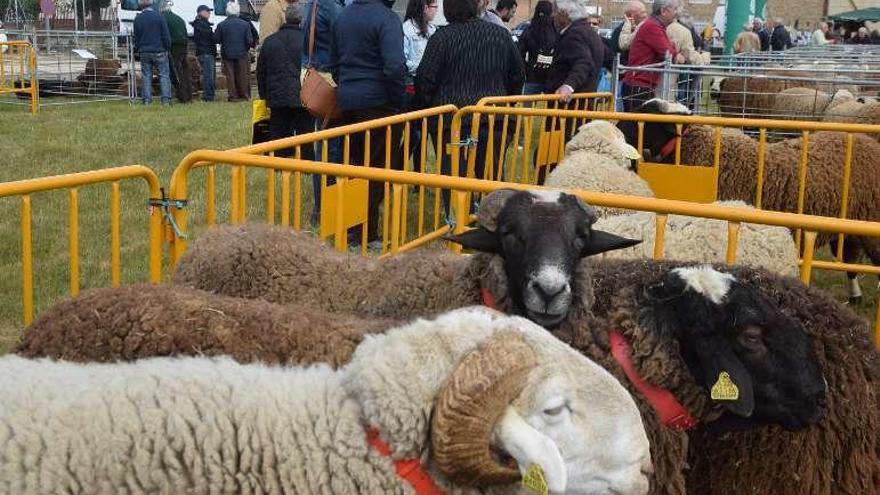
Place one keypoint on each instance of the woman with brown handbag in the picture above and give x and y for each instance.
(318, 21)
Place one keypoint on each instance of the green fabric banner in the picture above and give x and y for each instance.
(738, 13)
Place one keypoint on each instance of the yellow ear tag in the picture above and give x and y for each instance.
(724, 388)
(534, 481)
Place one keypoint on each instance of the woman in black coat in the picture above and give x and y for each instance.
(278, 71)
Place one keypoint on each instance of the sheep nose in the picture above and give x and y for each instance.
(549, 291)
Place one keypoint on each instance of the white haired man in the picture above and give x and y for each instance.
(236, 39)
(579, 52)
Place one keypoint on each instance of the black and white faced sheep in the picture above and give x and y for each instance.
(443, 394)
(826, 153)
(532, 267)
(658, 141)
(840, 454)
(138, 321)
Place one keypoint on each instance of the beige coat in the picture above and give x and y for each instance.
(746, 41)
(271, 18)
(683, 42)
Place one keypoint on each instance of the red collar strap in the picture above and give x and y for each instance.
(669, 147)
(671, 413)
(410, 470)
(487, 298)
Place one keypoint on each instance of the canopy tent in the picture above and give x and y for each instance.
(871, 14)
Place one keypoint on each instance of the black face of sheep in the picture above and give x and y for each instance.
(541, 235)
(754, 360)
(659, 138)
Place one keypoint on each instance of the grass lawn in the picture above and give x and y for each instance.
(64, 139)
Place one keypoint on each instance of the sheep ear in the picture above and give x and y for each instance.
(601, 242)
(727, 379)
(478, 239)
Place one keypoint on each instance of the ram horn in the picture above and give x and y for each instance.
(469, 406)
(491, 206)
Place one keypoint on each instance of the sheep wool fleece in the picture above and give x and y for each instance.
(249, 432)
(146, 320)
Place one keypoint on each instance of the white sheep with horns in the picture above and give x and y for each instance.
(450, 392)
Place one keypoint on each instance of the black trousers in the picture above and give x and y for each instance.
(181, 74)
(286, 122)
(377, 157)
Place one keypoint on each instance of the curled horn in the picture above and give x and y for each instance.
(490, 206)
(470, 404)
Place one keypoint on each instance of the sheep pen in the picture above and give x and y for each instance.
(145, 320)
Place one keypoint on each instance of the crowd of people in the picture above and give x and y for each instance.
(380, 66)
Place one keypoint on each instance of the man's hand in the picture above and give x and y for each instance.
(565, 91)
(679, 58)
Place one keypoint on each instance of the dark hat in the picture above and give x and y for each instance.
(203, 8)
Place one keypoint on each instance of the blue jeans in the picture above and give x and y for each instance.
(161, 61)
(208, 75)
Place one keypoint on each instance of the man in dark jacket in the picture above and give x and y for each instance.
(764, 35)
(579, 52)
(780, 39)
(367, 63)
(206, 49)
(278, 68)
(181, 78)
(152, 41)
(236, 39)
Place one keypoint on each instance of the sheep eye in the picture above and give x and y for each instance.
(752, 336)
(555, 411)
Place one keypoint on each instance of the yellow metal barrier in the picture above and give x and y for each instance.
(691, 182)
(71, 182)
(18, 70)
(460, 188)
(336, 218)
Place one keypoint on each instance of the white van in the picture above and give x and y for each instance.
(127, 10)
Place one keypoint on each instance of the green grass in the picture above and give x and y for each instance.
(65, 139)
(75, 138)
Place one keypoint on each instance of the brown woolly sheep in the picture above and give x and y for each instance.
(487, 271)
(840, 455)
(138, 321)
(737, 179)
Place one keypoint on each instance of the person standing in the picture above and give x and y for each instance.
(649, 46)
(206, 49)
(369, 68)
(820, 35)
(153, 41)
(680, 37)
(235, 39)
(779, 38)
(621, 37)
(278, 67)
(504, 10)
(181, 76)
(537, 46)
(760, 29)
(272, 17)
(318, 57)
(579, 52)
(464, 62)
(418, 27)
(747, 41)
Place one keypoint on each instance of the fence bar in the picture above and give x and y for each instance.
(285, 198)
(660, 235)
(210, 199)
(802, 182)
(27, 262)
(732, 240)
(115, 244)
(807, 263)
(844, 198)
(73, 239)
(762, 146)
(270, 197)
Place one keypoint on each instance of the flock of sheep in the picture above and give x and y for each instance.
(556, 359)
(274, 364)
